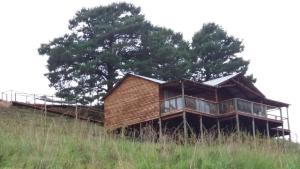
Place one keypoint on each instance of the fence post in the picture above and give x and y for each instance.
(76, 111)
(45, 108)
(11, 95)
(15, 96)
(288, 123)
(34, 99)
(281, 117)
(52, 100)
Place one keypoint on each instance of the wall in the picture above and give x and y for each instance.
(135, 100)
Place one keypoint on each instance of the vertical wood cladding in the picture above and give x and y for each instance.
(135, 100)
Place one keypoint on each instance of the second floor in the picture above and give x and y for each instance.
(137, 98)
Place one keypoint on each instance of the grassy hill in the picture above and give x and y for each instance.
(30, 140)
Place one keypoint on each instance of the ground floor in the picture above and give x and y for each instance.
(194, 124)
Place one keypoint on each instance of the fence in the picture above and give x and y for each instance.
(51, 103)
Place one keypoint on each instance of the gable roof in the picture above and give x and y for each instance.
(218, 81)
(148, 78)
(214, 83)
(134, 75)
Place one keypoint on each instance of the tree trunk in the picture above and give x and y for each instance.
(110, 77)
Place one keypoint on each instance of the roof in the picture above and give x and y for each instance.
(215, 83)
(131, 74)
(148, 78)
(219, 81)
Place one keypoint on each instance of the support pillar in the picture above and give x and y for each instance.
(76, 111)
(184, 127)
(45, 108)
(141, 136)
(182, 94)
(253, 122)
(219, 130)
(217, 100)
(237, 123)
(288, 123)
(123, 132)
(253, 127)
(268, 130)
(201, 129)
(160, 128)
(281, 117)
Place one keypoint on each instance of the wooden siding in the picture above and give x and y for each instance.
(135, 100)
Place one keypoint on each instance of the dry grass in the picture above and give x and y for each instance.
(30, 140)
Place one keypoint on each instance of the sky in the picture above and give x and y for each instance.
(269, 30)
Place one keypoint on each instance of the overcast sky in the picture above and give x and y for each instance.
(270, 31)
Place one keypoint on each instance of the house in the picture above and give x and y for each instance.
(225, 104)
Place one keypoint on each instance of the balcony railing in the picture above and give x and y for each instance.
(192, 103)
(204, 106)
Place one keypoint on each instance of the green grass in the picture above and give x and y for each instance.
(30, 140)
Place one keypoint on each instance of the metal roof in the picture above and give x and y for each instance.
(148, 78)
(216, 82)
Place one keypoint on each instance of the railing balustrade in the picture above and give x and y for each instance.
(205, 106)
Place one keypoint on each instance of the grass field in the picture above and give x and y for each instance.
(30, 140)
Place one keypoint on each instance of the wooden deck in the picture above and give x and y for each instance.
(227, 119)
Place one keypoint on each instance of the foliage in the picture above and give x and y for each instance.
(30, 140)
(106, 42)
(164, 55)
(215, 54)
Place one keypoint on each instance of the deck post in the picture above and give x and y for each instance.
(160, 128)
(76, 111)
(281, 117)
(182, 93)
(15, 96)
(217, 100)
(253, 122)
(253, 127)
(45, 108)
(34, 99)
(288, 122)
(184, 126)
(219, 130)
(123, 132)
(235, 104)
(237, 123)
(141, 131)
(268, 130)
(201, 129)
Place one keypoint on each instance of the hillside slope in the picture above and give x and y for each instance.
(30, 140)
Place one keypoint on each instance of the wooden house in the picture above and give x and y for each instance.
(226, 104)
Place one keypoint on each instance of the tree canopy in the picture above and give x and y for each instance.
(106, 42)
(214, 54)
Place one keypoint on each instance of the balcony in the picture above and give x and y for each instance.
(180, 103)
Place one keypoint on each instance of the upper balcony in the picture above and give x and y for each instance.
(189, 103)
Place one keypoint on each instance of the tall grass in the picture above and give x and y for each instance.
(30, 140)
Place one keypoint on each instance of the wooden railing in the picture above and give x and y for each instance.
(228, 106)
(188, 102)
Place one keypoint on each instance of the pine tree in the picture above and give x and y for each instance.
(214, 54)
